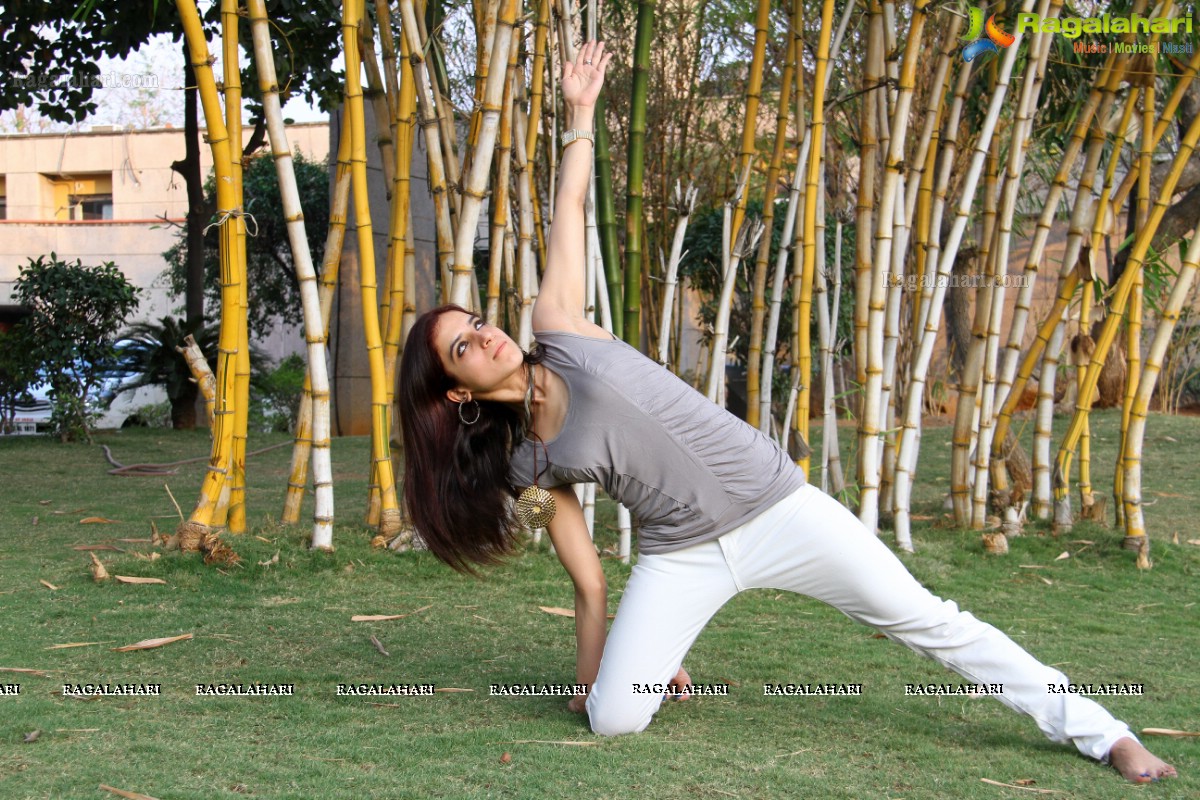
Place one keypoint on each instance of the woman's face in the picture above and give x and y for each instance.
(479, 357)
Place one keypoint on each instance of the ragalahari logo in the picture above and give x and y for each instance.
(976, 28)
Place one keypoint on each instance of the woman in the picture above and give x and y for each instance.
(720, 507)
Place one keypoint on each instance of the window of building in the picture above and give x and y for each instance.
(82, 196)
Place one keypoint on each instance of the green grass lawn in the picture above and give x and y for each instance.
(1092, 614)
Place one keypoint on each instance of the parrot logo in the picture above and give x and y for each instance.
(996, 38)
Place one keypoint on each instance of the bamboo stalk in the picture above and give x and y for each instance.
(389, 523)
(236, 509)
(314, 327)
(1120, 297)
(754, 372)
(500, 196)
(1039, 49)
(745, 241)
(685, 201)
(874, 403)
(412, 47)
(1135, 524)
(326, 287)
(475, 184)
(930, 312)
(201, 520)
(635, 185)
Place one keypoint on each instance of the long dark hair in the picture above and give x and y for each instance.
(456, 485)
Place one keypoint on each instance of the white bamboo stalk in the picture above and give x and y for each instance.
(747, 240)
(314, 327)
(771, 342)
(685, 201)
(1030, 90)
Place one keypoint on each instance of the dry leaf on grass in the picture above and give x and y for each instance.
(1169, 732)
(127, 795)
(147, 644)
(32, 736)
(564, 612)
(99, 573)
(137, 541)
(384, 617)
(1062, 555)
(1194, 541)
(451, 690)
(147, 556)
(379, 646)
(99, 521)
(1022, 788)
(98, 547)
(506, 758)
(135, 579)
(270, 561)
(73, 644)
(41, 673)
(542, 741)
(49, 585)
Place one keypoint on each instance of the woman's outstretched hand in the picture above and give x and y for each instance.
(582, 80)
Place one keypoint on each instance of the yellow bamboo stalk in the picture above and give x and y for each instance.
(1120, 297)
(413, 49)
(201, 520)
(1135, 523)
(500, 196)
(754, 388)
(1133, 341)
(753, 96)
(233, 121)
(389, 523)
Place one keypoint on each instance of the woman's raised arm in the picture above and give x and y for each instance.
(560, 299)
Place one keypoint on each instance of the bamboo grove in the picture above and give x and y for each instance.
(912, 185)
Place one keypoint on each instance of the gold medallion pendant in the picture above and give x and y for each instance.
(535, 507)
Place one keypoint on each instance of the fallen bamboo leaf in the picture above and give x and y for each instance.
(1169, 732)
(136, 541)
(1046, 581)
(76, 730)
(73, 644)
(135, 579)
(270, 561)
(1080, 541)
(452, 690)
(43, 502)
(1194, 541)
(1062, 555)
(127, 795)
(49, 585)
(543, 741)
(41, 673)
(147, 644)
(97, 547)
(1022, 788)
(99, 521)
(32, 736)
(99, 573)
(155, 556)
(561, 612)
(379, 646)
(262, 539)
(383, 617)
(1026, 782)
(35, 520)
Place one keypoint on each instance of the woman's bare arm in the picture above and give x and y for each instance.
(561, 296)
(578, 555)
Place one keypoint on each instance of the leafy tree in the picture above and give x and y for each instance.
(17, 371)
(77, 311)
(274, 291)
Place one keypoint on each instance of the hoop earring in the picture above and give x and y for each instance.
(464, 420)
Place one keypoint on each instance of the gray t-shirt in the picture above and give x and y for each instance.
(687, 469)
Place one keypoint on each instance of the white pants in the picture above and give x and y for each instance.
(810, 544)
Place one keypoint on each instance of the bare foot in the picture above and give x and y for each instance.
(1137, 764)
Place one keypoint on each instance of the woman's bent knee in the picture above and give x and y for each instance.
(611, 720)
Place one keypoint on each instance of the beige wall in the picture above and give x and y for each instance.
(144, 190)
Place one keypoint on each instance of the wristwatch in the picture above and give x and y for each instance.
(574, 135)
